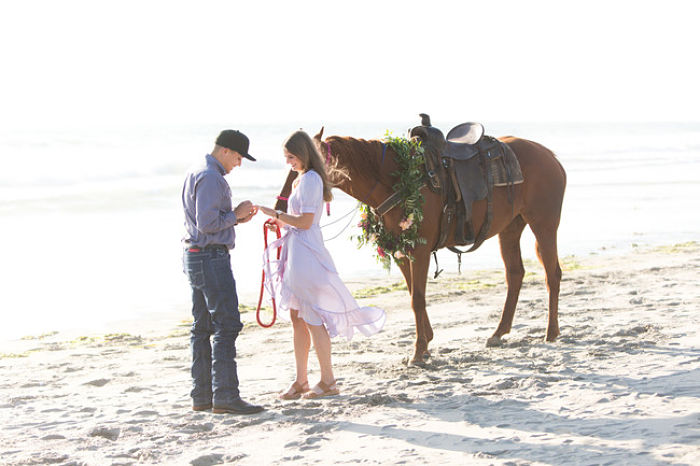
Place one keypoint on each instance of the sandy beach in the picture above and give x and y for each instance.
(620, 386)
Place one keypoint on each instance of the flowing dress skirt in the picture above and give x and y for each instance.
(305, 279)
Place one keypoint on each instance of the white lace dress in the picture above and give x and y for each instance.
(304, 277)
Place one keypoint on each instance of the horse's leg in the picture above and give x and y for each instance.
(546, 247)
(419, 279)
(405, 268)
(509, 239)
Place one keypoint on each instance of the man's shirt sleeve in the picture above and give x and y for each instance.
(209, 204)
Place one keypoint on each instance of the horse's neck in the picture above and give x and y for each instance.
(359, 158)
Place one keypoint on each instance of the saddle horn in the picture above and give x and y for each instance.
(418, 131)
(424, 119)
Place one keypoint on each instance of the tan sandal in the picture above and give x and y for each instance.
(321, 390)
(295, 391)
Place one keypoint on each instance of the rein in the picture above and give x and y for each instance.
(262, 285)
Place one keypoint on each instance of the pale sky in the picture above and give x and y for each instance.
(146, 62)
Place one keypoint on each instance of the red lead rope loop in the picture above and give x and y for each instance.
(262, 285)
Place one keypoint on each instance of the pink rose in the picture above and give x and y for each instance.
(406, 223)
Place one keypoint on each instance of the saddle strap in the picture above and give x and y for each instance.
(448, 210)
(455, 184)
(431, 172)
(484, 230)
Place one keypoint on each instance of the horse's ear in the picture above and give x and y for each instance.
(319, 136)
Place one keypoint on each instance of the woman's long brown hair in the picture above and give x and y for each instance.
(302, 146)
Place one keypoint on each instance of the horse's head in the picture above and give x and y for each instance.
(318, 140)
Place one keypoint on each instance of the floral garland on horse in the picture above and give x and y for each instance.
(409, 158)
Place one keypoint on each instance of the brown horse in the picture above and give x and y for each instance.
(536, 202)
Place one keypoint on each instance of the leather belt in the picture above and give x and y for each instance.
(205, 248)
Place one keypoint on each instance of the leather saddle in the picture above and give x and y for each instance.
(464, 167)
(462, 141)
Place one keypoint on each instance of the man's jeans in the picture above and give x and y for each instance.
(215, 312)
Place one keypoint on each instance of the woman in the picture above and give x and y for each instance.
(304, 281)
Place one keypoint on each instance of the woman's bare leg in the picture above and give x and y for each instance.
(322, 344)
(302, 344)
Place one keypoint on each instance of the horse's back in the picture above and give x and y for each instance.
(544, 176)
(534, 153)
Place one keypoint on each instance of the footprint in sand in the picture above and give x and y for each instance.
(136, 389)
(97, 382)
(319, 428)
(18, 400)
(196, 428)
(110, 433)
(31, 385)
(208, 460)
(301, 411)
(376, 399)
(309, 443)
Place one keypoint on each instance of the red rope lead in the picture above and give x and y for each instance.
(262, 285)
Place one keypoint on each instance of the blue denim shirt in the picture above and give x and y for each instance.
(206, 199)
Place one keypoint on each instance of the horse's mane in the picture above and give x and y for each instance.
(351, 153)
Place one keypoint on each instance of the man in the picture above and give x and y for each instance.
(209, 225)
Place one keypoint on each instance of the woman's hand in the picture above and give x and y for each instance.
(272, 224)
(267, 211)
(302, 222)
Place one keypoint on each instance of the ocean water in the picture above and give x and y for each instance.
(91, 219)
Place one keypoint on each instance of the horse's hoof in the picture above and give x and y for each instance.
(494, 341)
(418, 359)
(415, 362)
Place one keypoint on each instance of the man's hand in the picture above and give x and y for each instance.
(245, 211)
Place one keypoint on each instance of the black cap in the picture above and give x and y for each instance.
(235, 140)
